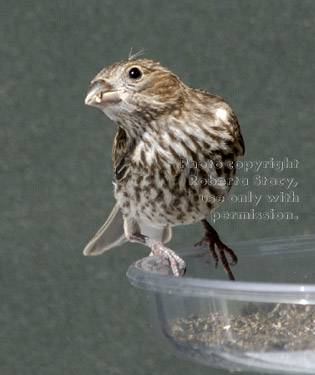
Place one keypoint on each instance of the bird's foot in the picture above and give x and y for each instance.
(158, 249)
(212, 241)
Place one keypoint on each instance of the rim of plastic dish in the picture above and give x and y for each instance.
(141, 277)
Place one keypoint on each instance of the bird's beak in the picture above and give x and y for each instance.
(101, 93)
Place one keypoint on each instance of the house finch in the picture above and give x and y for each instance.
(173, 157)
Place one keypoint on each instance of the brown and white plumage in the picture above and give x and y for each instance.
(162, 123)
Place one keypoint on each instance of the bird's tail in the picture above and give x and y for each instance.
(110, 235)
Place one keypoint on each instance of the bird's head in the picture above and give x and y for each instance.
(136, 89)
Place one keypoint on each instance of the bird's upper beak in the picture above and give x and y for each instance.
(101, 93)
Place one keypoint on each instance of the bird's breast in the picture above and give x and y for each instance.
(171, 196)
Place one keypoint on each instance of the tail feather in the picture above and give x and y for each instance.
(111, 234)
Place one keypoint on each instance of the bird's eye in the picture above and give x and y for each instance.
(134, 73)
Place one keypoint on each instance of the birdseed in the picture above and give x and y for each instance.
(285, 327)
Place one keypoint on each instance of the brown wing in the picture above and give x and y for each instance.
(120, 154)
(239, 144)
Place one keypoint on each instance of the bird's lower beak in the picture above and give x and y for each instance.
(101, 93)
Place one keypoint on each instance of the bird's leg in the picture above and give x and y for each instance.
(158, 249)
(211, 239)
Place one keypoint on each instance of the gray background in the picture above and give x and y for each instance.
(60, 312)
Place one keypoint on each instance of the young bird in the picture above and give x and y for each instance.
(173, 157)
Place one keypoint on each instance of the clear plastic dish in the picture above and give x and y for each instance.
(263, 321)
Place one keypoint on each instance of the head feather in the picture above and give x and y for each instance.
(137, 54)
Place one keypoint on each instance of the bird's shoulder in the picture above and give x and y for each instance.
(219, 113)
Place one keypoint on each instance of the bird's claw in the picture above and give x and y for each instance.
(212, 241)
(177, 264)
(158, 249)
